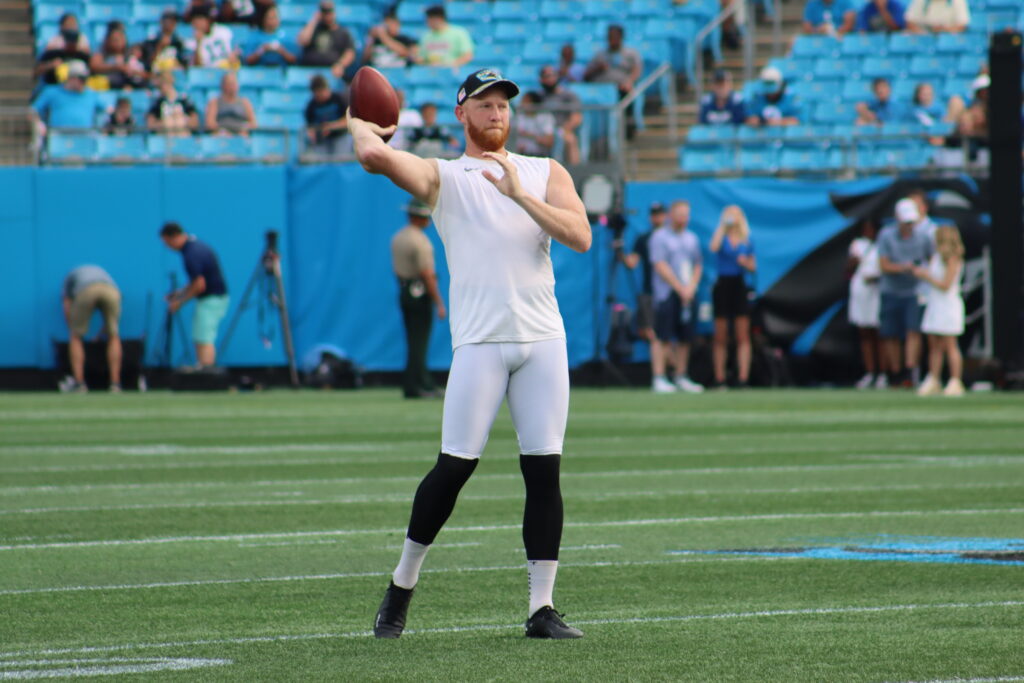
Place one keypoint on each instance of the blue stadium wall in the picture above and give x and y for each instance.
(335, 224)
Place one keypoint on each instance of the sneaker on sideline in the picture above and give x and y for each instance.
(929, 387)
(866, 381)
(882, 381)
(953, 388)
(70, 385)
(684, 383)
(661, 385)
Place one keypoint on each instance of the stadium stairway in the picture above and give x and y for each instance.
(16, 62)
(652, 154)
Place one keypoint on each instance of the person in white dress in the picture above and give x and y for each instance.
(864, 305)
(943, 320)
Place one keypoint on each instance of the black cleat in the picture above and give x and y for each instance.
(390, 620)
(547, 623)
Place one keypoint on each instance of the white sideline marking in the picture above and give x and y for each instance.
(363, 575)
(689, 471)
(609, 495)
(503, 627)
(505, 527)
(110, 666)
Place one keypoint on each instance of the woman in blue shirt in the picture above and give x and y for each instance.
(730, 296)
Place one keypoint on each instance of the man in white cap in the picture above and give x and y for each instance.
(772, 105)
(901, 248)
(69, 106)
(496, 213)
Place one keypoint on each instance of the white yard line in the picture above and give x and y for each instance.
(659, 521)
(362, 575)
(13, 670)
(688, 471)
(609, 495)
(820, 611)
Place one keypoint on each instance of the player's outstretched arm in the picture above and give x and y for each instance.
(417, 176)
(562, 216)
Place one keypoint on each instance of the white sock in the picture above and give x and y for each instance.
(407, 573)
(541, 574)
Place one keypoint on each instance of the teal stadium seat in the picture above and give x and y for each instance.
(960, 44)
(514, 30)
(70, 147)
(96, 12)
(515, 10)
(759, 158)
(351, 14)
(565, 30)
(298, 77)
(261, 77)
(294, 13)
(411, 12)
(834, 112)
(497, 53)
(540, 51)
(911, 44)
(561, 9)
(809, 159)
(864, 45)
(856, 90)
(817, 90)
(225, 148)
(815, 46)
(121, 148)
(604, 9)
(837, 67)
(204, 77)
(759, 134)
(52, 13)
(968, 66)
(646, 8)
(705, 160)
(465, 12)
(280, 120)
(891, 67)
(931, 67)
(177, 149)
(710, 135)
(285, 100)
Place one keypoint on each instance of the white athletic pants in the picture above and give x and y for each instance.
(534, 376)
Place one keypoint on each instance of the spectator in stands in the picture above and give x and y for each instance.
(926, 111)
(408, 118)
(325, 42)
(901, 248)
(271, 45)
(616, 64)
(229, 113)
(165, 51)
(864, 303)
(641, 256)
(731, 295)
(387, 47)
(67, 46)
(87, 289)
(123, 69)
(206, 285)
(567, 109)
(535, 128)
(723, 105)
(973, 122)
(879, 16)
(211, 44)
(172, 113)
(236, 12)
(193, 7)
(429, 139)
(677, 262)
(69, 106)
(881, 109)
(829, 17)
(943, 319)
(773, 105)
(569, 70)
(121, 121)
(325, 118)
(444, 44)
(938, 16)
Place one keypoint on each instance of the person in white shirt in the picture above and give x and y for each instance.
(865, 300)
(937, 16)
(496, 213)
(943, 319)
(535, 130)
(211, 44)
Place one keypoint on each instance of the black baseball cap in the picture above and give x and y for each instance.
(658, 207)
(481, 80)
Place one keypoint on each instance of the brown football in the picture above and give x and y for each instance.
(372, 98)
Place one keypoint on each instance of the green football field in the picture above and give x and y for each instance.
(741, 536)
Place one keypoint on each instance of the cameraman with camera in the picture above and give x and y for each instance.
(206, 285)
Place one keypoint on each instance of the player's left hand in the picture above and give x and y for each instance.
(508, 184)
(173, 305)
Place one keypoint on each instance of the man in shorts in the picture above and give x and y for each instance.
(206, 285)
(496, 213)
(86, 289)
(677, 264)
(901, 248)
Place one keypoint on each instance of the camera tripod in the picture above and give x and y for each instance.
(267, 276)
(172, 324)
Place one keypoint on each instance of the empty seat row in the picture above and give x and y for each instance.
(73, 147)
(803, 158)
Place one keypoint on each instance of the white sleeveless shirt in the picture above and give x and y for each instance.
(502, 283)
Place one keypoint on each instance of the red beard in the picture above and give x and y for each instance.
(488, 139)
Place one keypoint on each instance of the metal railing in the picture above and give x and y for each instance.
(663, 74)
(731, 11)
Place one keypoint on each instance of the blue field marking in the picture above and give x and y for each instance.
(997, 551)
